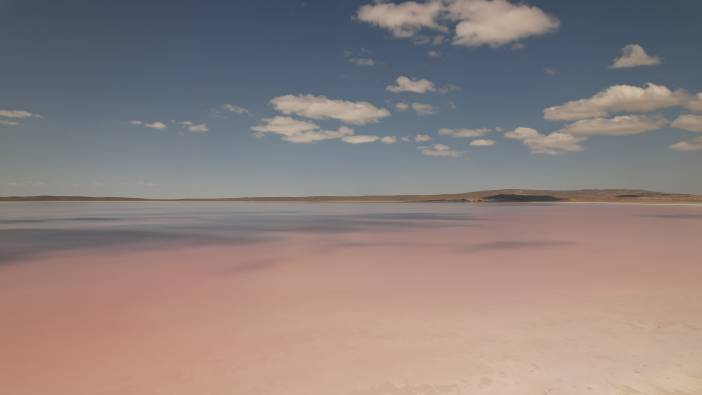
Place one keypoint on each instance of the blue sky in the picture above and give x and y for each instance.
(233, 98)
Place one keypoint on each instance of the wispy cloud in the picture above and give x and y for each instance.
(297, 131)
(234, 109)
(464, 133)
(482, 143)
(617, 126)
(194, 127)
(20, 114)
(441, 150)
(424, 109)
(6, 122)
(360, 139)
(157, 125)
(320, 107)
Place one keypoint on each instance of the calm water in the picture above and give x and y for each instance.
(239, 298)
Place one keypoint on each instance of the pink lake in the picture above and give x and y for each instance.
(369, 299)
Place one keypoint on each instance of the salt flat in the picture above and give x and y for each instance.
(350, 299)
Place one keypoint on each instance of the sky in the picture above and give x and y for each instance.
(318, 97)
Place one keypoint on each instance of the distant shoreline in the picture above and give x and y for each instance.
(490, 196)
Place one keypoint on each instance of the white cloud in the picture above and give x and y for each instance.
(693, 123)
(691, 145)
(404, 19)
(421, 138)
(21, 114)
(618, 98)
(320, 107)
(401, 106)
(406, 84)
(284, 126)
(695, 103)
(360, 139)
(551, 144)
(424, 109)
(482, 143)
(235, 109)
(156, 125)
(407, 139)
(296, 131)
(389, 139)
(551, 71)
(152, 125)
(634, 55)
(498, 22)
(617, 126)
(6, 122)
(478, 22)
(433, 54)
(366, 62)
(195, 127)
(441, 150)
(466, 133)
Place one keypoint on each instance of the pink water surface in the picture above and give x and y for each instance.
(559, 299)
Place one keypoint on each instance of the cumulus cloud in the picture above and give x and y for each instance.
(401, 106)
(360, 139)
(496, 23)
(424, 109)
(421, 138)
(691, 145)
(406, 84)
(465, 133)
(482, 143)
(551, 144)
(157, 125)
(235, 109)
(195, 127)
(617, 126)
(297, 131)
(693, 123)
(389, 139)
(618, 98)
(477, 22)
(441, 150)
(320, 107)
(405, 19)
(633, 55)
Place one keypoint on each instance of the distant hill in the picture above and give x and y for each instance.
(490, 196)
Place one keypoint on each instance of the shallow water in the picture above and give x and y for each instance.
(369, 299)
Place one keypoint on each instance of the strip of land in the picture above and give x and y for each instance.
(488, 196)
